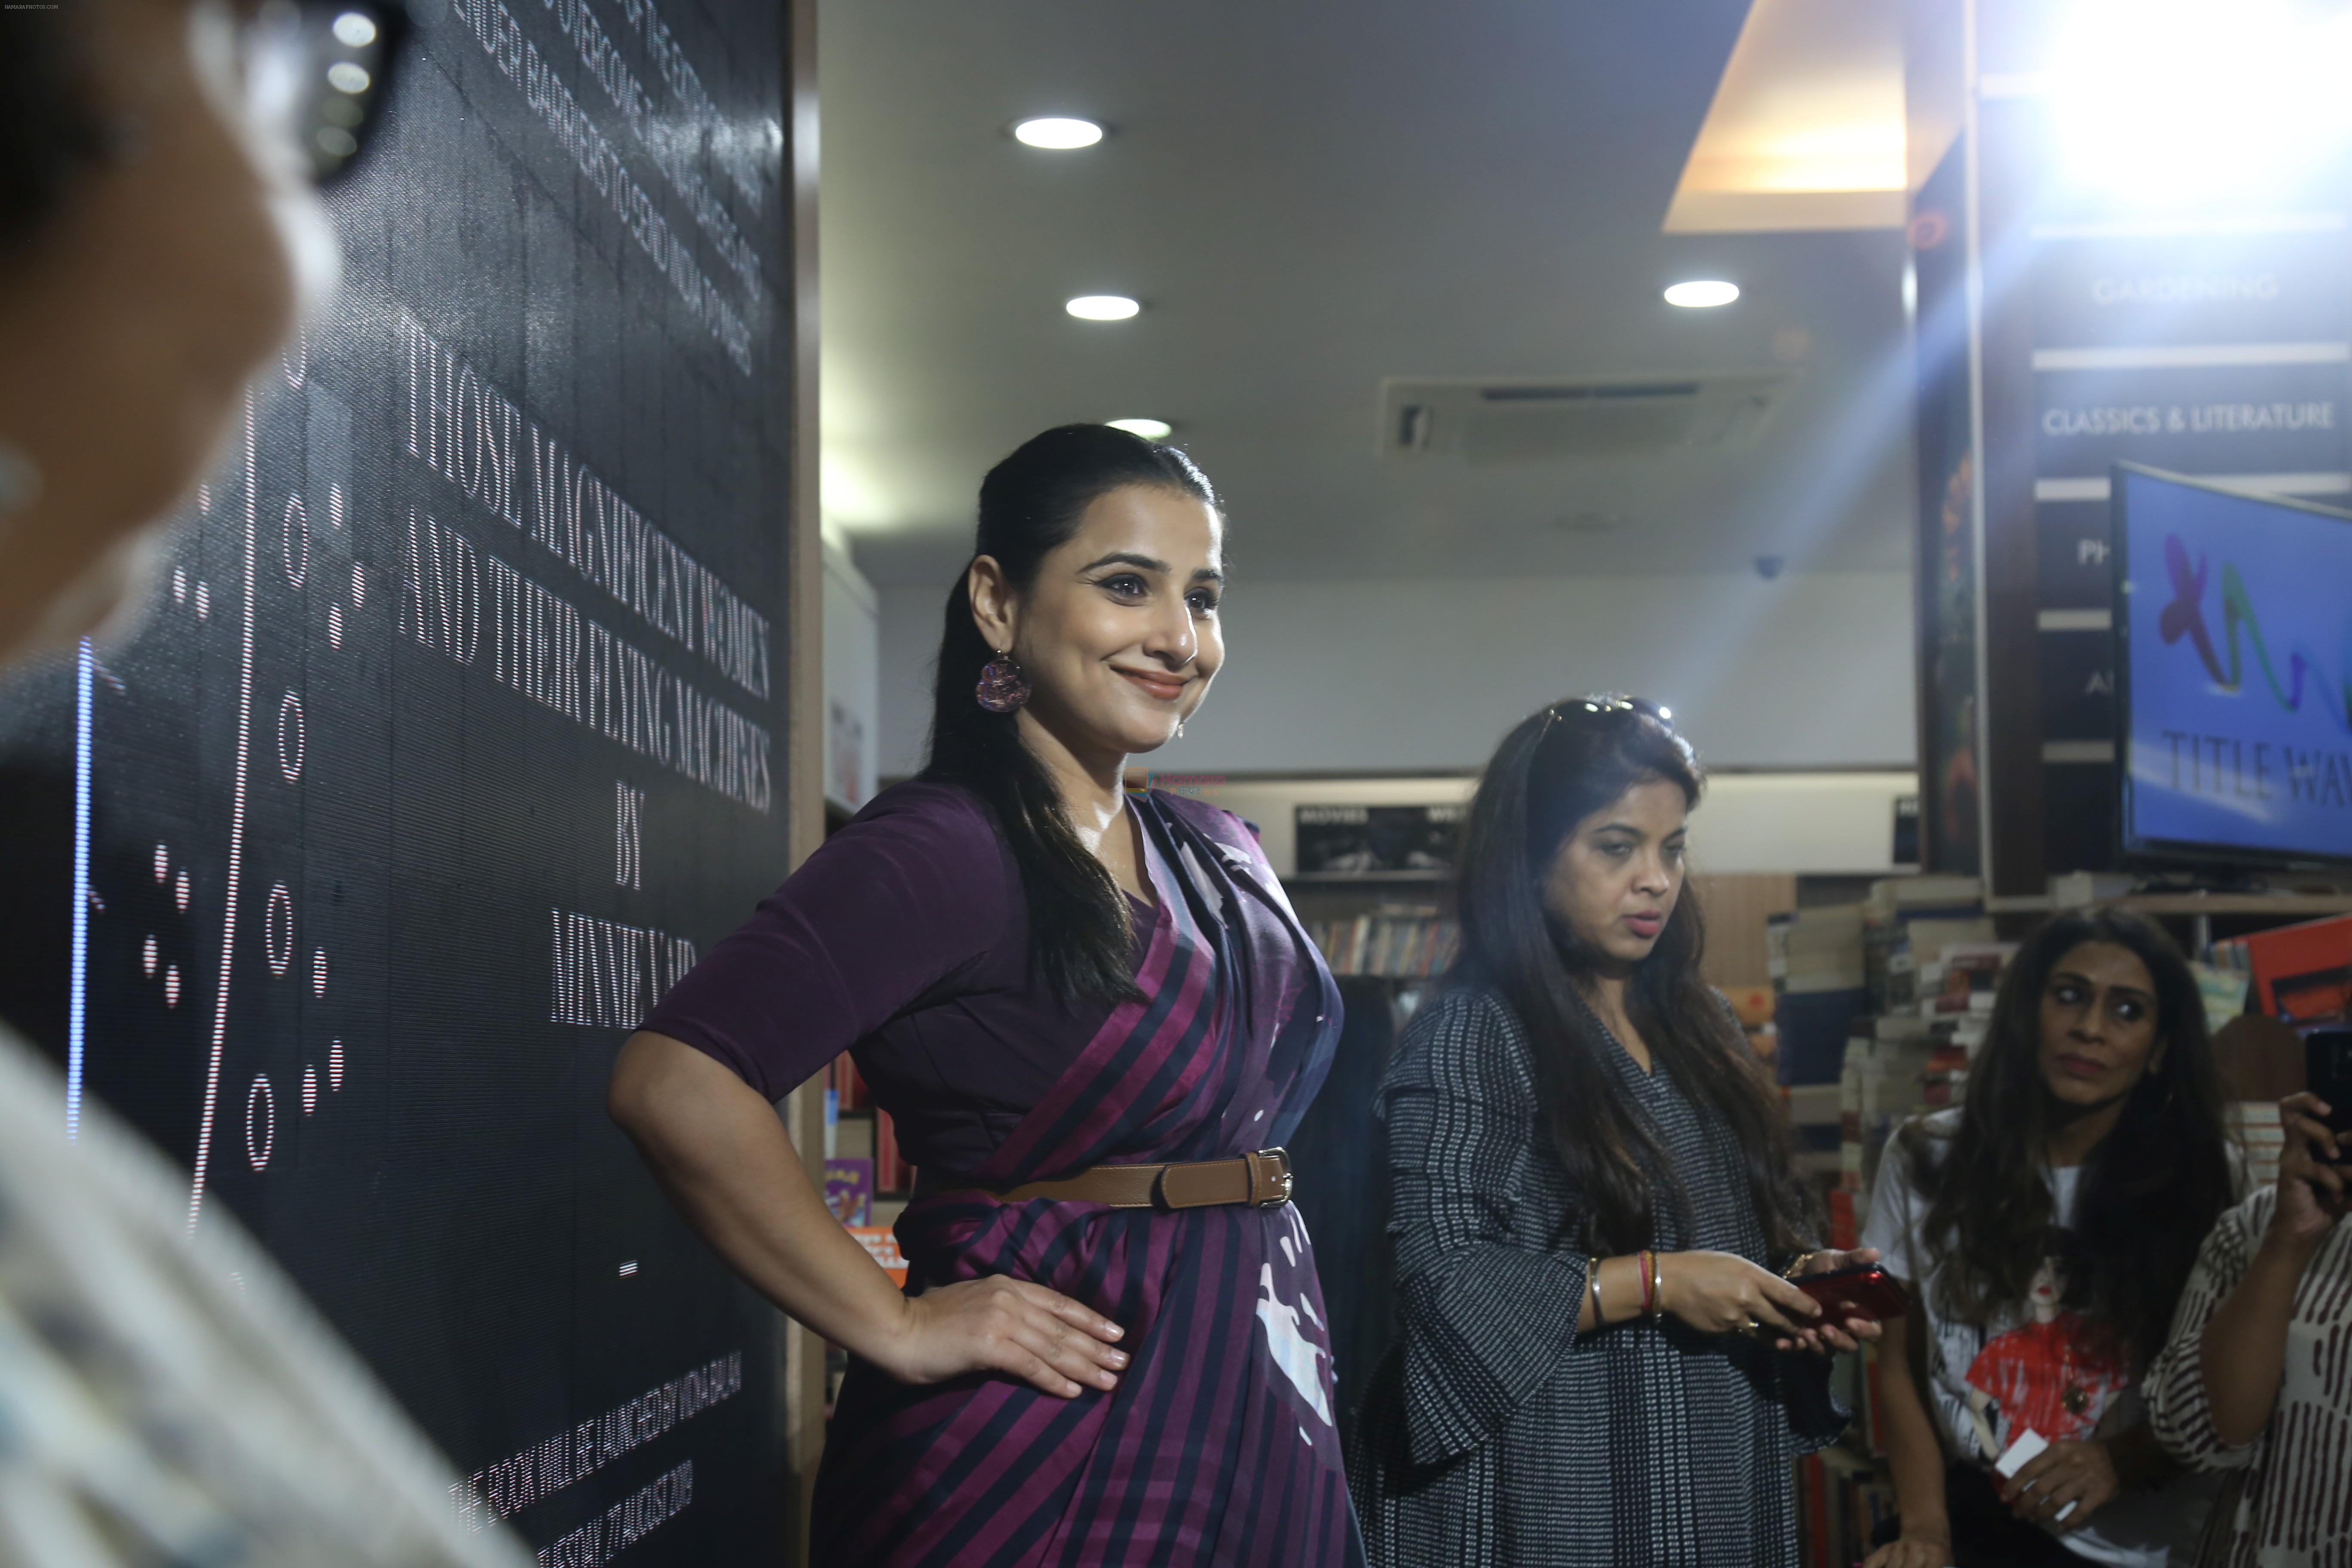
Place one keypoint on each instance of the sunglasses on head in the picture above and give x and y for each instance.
(1607, 708)
(319, 71)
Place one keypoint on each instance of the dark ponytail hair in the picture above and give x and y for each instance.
(1551, 772)
(1080, 938)
(2148, 1193)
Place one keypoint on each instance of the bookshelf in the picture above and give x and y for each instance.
(1393, 926)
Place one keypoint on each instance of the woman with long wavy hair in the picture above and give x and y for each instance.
(2049, 1225)
(1595, 1216)
(1095, 1020)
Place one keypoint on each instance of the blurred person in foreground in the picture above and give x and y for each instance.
(1603, 1358)
(2256, 1380)
(2049, 1223)
(164, 1398)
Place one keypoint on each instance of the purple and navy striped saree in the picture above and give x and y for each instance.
(1219, 1446)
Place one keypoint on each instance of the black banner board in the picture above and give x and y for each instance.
(455, 734)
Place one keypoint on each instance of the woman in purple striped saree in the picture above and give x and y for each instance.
(1052, 986)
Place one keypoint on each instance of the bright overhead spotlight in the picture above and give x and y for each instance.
(2173, 103)
(1150, 429)
(1102, 307)
(1057, 136)
(1702, 293)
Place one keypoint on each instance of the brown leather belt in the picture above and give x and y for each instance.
(1261, 1179)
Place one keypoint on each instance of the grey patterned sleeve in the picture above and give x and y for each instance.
(2179, 1406)
(1489, 1304)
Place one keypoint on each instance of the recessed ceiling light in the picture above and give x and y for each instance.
(1702, 293)
(1056, 134)
(1150, 429)
(1102, 307)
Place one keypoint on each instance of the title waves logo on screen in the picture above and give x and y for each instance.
(2185, 617)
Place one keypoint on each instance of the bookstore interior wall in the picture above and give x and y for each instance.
(1809, 670)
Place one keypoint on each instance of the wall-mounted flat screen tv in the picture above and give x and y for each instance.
(2233, 621)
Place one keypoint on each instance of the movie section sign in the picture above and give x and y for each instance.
(1371, 841)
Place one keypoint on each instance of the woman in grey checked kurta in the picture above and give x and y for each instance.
(1525, 1419)
(1523, 1441)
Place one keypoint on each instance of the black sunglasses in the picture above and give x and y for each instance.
(321, 71)
(1607, 708)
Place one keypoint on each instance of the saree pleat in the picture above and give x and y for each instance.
(1218, 1447)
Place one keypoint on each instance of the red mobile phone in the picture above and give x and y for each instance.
(1868, 1291)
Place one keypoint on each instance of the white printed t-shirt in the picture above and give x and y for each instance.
(2034, 1365)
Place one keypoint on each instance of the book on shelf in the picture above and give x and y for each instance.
(892, 1173)
(847, 1084)
(1843, 1499)
(852, 1137)
(1817, 949)
(1873, 1423)
(849, 1190)
(1890, 896)
(2301, 974)
(881, 1244)
(2078, 890)
(1813, 1027)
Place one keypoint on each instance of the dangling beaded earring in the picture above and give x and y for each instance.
(1003, 689)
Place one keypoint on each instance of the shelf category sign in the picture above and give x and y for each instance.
(1366, 840)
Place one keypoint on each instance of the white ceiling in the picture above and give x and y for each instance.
(1308, 198)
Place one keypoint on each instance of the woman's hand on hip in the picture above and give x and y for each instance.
(1722, 1292)
(1917, 1549)
(1008, 1326)
(2082, 1473)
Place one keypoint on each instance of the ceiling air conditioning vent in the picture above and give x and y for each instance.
(1608, 416)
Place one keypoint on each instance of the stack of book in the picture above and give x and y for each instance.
(1815, 959)
(1909, 923)
(1405, 942)
(1933, 969)
(1883, 1085)
(1816, 950)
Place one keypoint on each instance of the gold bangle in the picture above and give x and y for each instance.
(1798, 1266)
(1657, 1287)
(1592, 1279)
